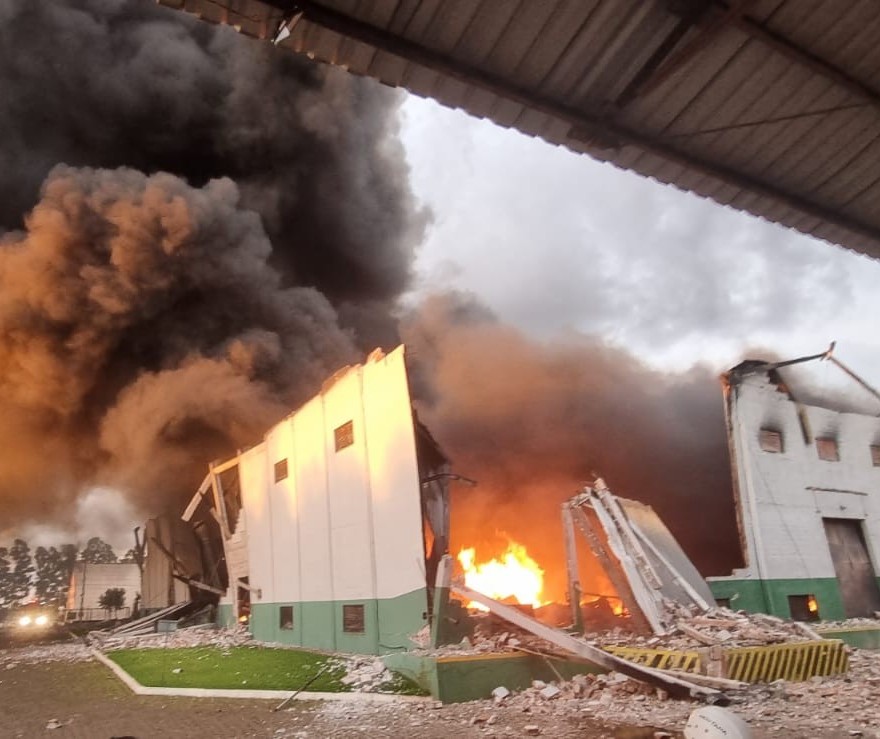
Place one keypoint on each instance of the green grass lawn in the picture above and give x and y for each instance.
(249, 668)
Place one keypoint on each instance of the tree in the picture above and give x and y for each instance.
(130, 557)
(53, 570)
(5, 581)
(112, 600)
(22, 569)
(97, 552)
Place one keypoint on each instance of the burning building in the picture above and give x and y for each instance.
(807, 490)
(332, 526)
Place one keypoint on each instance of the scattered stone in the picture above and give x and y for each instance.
(500, 693)
(177, 670)
(531, 730)
(54, 723)
(549, 692)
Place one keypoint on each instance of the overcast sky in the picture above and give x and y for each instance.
(556, 242)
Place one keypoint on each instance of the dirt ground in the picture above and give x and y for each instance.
(89, 702)
(84, 699)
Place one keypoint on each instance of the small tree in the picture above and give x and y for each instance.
(22, 570)
(112, 600)
(53, 568)
(5, 582)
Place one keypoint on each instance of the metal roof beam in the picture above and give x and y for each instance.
(785, 46)
(601, 132)
(648, 78)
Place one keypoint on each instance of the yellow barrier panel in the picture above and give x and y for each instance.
(663, 659)
(793, 662)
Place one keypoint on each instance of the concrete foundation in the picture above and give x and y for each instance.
(456, 679)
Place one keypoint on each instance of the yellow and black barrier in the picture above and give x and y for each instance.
(794, 662)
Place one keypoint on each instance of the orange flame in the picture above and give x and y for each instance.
(515, 576)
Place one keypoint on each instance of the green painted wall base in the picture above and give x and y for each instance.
(771, 596)
(865, 637)
(225, 615)
(467, 678)
(451, 622)
(388, 624)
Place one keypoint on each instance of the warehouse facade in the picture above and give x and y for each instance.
(807, 486)
(333, 525)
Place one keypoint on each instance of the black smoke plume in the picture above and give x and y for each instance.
(195, 229)
(534, 422)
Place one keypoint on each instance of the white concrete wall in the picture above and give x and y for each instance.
(785, 496)
(343, 525)
(90, 581)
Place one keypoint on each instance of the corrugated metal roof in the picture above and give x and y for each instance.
(770, 106)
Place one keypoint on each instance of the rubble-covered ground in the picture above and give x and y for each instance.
(58, 686)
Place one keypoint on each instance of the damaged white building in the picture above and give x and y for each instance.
(807, 492)
(333, 526)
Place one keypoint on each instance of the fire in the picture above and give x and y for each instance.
(515, 576)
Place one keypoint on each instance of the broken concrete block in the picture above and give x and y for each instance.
(54, 723)
(549, 692)
(500, 693)
(539, 684)
(531, 730)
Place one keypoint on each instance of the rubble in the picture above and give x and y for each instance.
(193, 636)
(365, 674)
(824, 707)
(35, 654)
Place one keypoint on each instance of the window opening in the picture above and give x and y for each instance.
(344, 435)
(827, 449)
(771, 441)
(803, 607)
(353, 619)
(285, 618)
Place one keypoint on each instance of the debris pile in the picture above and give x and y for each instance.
(43, 653)
(716, 627)
(366, 674)
(192, 636)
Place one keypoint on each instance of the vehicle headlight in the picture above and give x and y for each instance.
(24, 621)
(41, 620)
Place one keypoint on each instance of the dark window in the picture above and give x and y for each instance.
(827, 449)
(875, 455)
(771, 441)
(285, 618)
(244, 600)
(344, 435)
(281, 470)
(803, 607)
(353, 619)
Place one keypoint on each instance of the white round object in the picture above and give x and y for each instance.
(715, 722)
